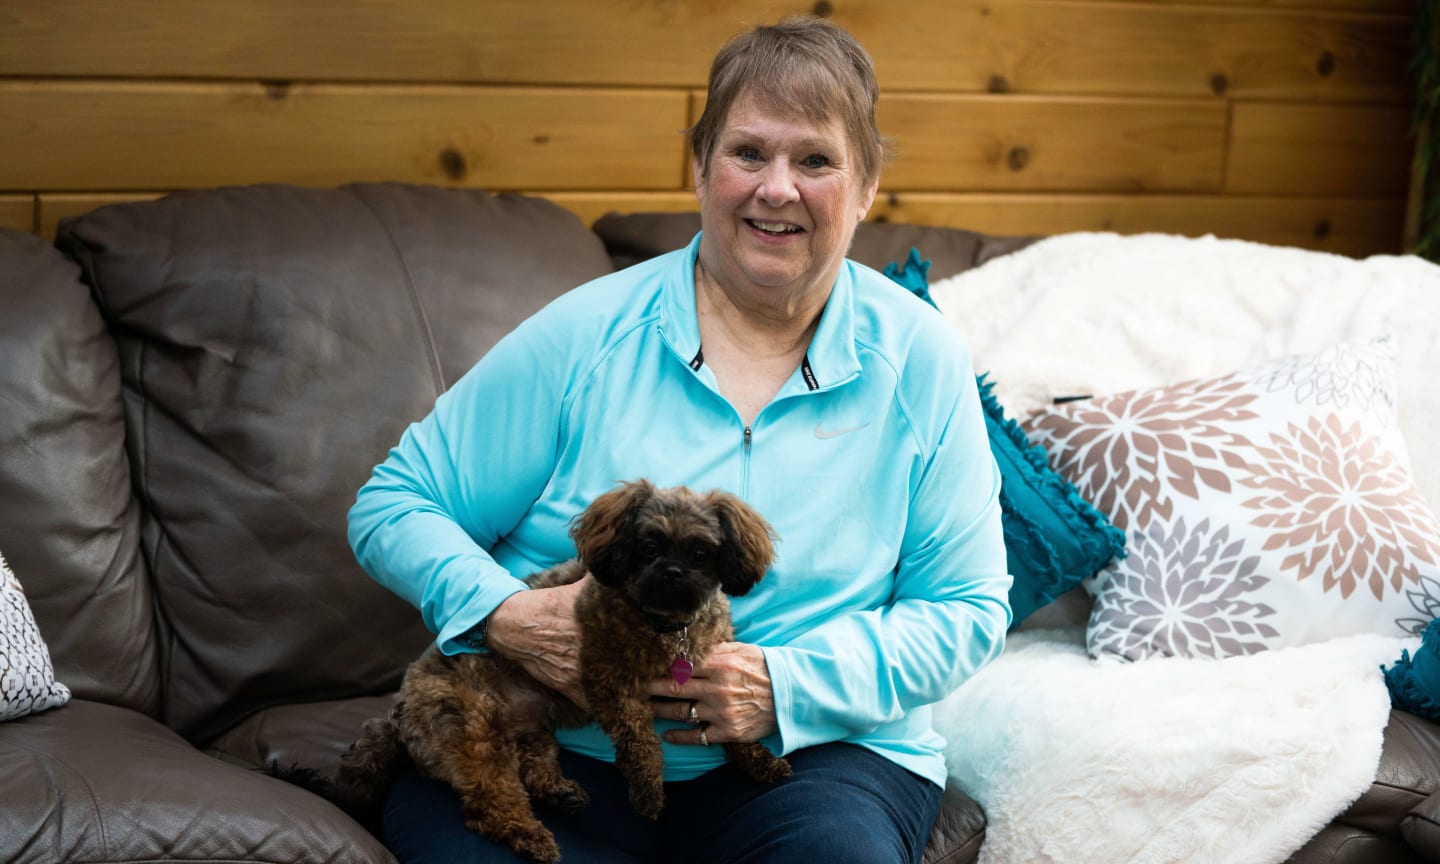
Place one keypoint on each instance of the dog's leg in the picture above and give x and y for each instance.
(757, 762)
(368, 768)
(497, 804)
(460, 739)
(628, 722)
(540, 772)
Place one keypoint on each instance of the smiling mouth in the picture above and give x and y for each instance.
(774, 229)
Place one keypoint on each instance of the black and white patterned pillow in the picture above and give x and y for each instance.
(27, 680)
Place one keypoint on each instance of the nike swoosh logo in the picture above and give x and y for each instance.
(836, 433)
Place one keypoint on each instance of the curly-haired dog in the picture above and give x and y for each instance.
(663, 559)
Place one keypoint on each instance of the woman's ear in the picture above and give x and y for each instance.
(605, 532)
(697, 173)
(867, 199)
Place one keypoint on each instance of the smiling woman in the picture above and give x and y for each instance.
(787, 159)
(757, 360)
(779, 202)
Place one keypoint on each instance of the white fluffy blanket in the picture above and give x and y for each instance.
(1102, 313)
(1237, 761)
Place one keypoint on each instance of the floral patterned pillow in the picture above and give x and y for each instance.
(1266, 508)
(27, 680)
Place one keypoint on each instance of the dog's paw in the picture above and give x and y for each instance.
(757, 762)
(532, 842)
(542, 850)
(647, 799)
(570, 798)
(772, 770)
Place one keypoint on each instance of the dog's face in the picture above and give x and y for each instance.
(671, 549)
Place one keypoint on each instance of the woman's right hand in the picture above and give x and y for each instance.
(537, 629)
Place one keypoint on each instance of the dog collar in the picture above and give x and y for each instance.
(660, 626)
(681, 668)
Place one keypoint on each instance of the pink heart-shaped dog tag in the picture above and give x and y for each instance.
(681, 670)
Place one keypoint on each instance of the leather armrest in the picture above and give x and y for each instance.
(94, 782)
(1421, 828)
(959, 830)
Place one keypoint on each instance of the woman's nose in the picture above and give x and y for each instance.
(777, 184)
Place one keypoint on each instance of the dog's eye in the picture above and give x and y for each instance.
(649, 548)
(700, 555)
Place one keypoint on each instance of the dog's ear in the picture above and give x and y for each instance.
(748, 549)
(605, 532)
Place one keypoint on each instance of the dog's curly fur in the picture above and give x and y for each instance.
(663, 559)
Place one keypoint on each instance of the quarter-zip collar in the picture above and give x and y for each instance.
(831, 358)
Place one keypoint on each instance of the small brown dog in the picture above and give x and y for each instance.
(663, 559)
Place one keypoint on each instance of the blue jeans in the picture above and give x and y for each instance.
(843, 804)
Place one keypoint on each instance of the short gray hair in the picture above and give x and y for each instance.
(806, 66)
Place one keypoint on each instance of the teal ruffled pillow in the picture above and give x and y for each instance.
(1054, 538)
(914, 274)
(1414, 682)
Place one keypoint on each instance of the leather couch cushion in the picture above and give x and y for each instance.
(1421, 828)
(635, 237)
(93, 782)
(274, 342)
(69, 524)
(1409, 773)
(312, 735)
(959, 830)
(1337, 843)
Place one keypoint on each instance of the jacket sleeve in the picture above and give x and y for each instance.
(949, 608)
(458, 481)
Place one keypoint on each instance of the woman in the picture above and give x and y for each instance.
(758, 360)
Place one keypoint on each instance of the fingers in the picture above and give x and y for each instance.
(685, 711)
(731, 694)
(688, 712)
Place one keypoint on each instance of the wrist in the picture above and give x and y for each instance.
(485, 635)
(474, 638)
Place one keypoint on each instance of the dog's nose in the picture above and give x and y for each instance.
(673, 571)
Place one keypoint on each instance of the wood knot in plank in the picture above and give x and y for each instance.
(823, 9)
(1325, 65)
(452, 164)
(1017, 158)
(998, 84)
(1219, 83)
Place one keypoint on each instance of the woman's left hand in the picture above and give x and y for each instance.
(730, 692)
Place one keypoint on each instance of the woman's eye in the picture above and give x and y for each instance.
(815, 161)
(748, 154)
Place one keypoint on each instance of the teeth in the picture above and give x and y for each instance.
(775, 227)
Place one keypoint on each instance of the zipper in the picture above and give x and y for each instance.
(745, 463)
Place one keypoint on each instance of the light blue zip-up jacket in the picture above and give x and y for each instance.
(872, 464)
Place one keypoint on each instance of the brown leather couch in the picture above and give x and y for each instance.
(191, 391)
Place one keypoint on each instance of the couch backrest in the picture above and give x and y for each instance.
(635, 237)
(69, 524)
(274, 342)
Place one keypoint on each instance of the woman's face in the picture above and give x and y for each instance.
(779, 205)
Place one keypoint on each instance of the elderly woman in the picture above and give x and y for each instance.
(761, 361)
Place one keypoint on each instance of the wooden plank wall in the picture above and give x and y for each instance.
(1282, 121)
